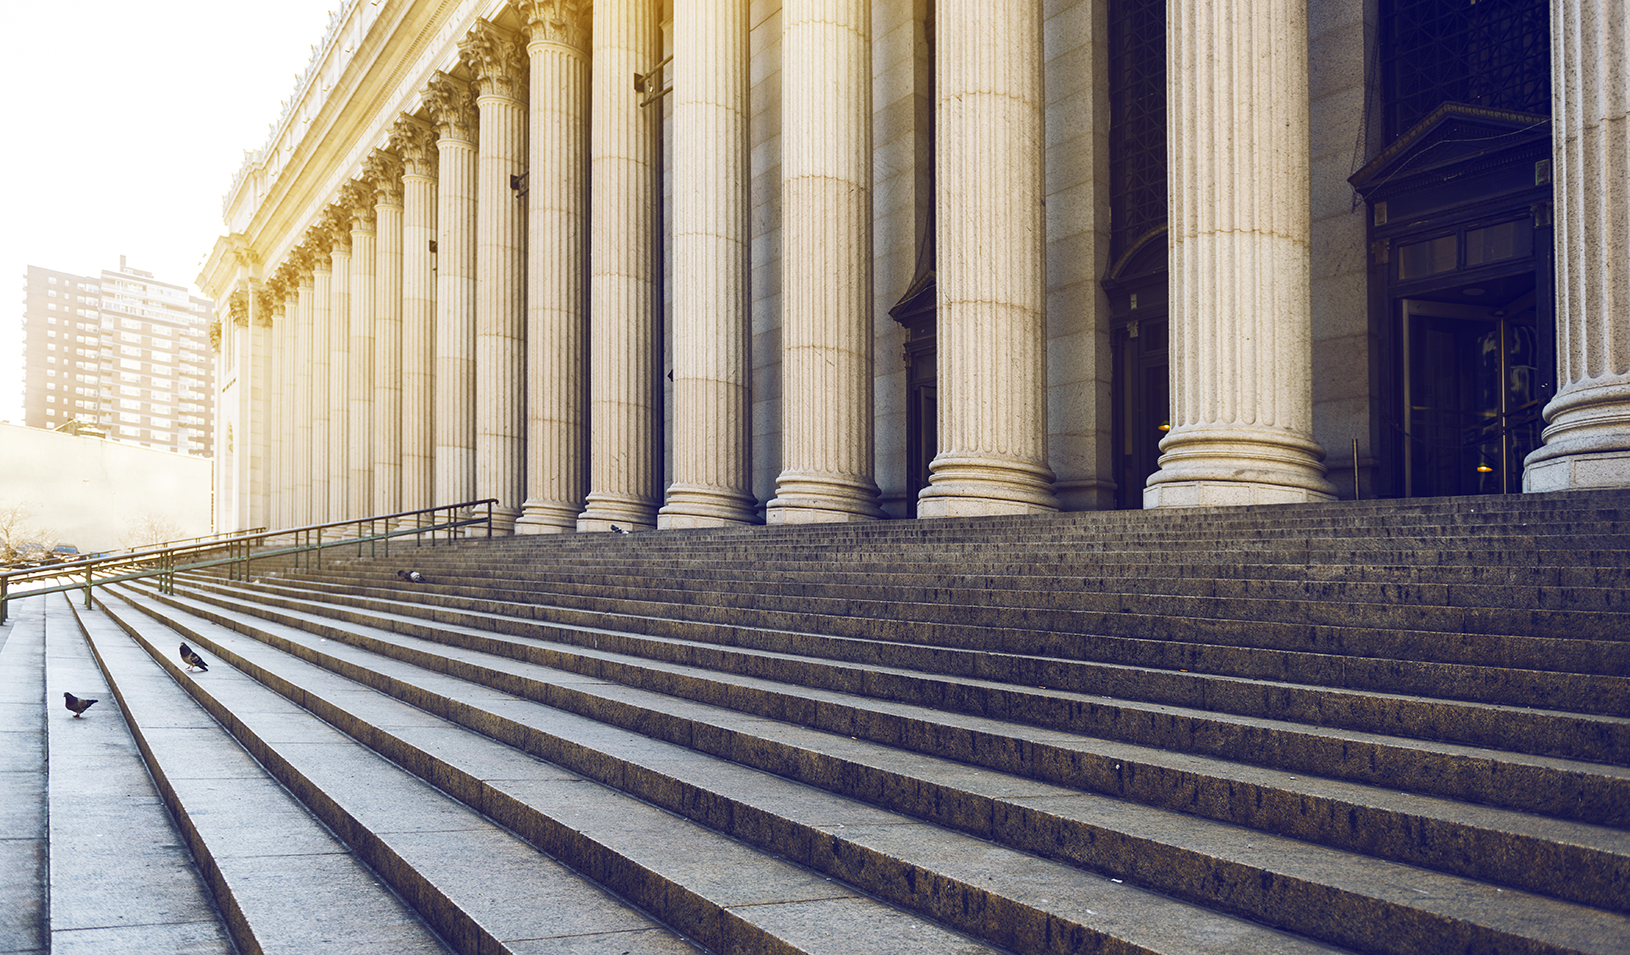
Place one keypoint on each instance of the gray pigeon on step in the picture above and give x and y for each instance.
(76, 704)
(190, 657)
(411, 576)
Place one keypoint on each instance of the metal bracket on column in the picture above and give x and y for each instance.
(652, 84)
(517, 182)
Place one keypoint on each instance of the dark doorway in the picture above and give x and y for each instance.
(1142, 404)
(1472, 385)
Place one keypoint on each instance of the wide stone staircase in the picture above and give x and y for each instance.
(1379, 727)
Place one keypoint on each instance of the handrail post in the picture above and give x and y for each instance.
(87, 587)
(5, 582)
(489, 520)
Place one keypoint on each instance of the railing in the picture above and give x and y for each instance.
(308, 542)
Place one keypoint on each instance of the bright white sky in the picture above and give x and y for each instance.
(125, 124)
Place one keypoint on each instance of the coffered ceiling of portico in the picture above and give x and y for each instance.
(381, 78)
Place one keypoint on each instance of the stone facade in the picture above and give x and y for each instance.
(648, 264)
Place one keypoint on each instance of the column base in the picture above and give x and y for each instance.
(1237, 466)
(1587, 443)
(970, 486)
(504, 520)
(546, 517)
(693, 505)
(622, 510)
(819, 497)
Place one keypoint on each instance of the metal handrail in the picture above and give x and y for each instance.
(162, 562)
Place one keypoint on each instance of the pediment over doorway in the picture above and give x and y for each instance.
(1455, 142)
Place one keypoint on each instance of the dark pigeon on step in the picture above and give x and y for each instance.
(76, 704)
(190, 657)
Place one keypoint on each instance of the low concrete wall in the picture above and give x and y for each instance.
(90, 490)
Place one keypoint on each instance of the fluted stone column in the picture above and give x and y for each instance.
(622, 327)
(711, 460)
(990, 239)
(496, 62)
(360, 369)
(1587, 432)
(415, 142)
(826, 265)
(288, 465)
(1241, 313)
(306, 404)
(255, 367)
(384, 172)
(557, 48)
(278, 410)
(339, 365)
(453, 110)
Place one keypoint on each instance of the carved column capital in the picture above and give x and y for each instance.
(451, 105)
(357, 202)
(566, 22)
(237, 306)
(268, 301)
(414, 141)
(495, 60)
(383, 172)
(303, 258)
(336, 228)
(215, 336)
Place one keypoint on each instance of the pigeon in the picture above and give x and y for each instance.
(76, 704)
(617, 530)
(190, 657)
(411, 576)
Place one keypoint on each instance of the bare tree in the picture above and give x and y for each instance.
(20, 537)
(148, 529)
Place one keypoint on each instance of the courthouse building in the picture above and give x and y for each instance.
(676, 264)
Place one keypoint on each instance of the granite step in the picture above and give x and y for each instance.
(1595, 642)
(24, 846)
(1055, 585)
(382, 825)
(121, 878)
(283, 882)
(1303, 885)
(1316, 687)
(722, 886)
(1586, 792)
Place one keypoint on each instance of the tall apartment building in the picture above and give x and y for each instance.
(122, 351)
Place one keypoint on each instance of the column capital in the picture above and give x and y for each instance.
(564, 22)
(495, 59)
(357, 202)
(303, 258)
(237, 306)
(268, 300)
(336, 228)
(382, 170)
(414, 141)
(451, 105)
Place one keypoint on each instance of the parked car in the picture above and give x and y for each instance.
(64, 553)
